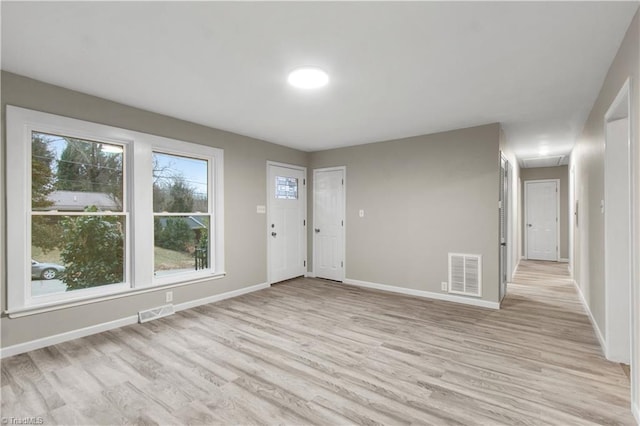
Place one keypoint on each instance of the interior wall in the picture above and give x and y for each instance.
(245, 187)
(561, 173)
(423, 197)
(515, 227)
(588, 162)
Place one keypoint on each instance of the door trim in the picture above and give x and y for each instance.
(572, 218)
(303, 195)
(344, 215)
(526, 204)
(622, 99)
(625, 93)
(504, 259)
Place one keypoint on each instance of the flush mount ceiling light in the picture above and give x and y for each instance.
(308, 78)
(543, 147)
(543, 151)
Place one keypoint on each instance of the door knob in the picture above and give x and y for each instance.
(317, 230)
(273, 234)
(529, 225)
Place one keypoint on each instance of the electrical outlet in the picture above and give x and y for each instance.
(444, 286)
(169, 296)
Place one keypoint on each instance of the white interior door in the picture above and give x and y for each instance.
(328, 223)
(541, 226)
(286, 222)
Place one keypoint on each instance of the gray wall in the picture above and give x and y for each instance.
(587, 161)
(423, 197)
(245, 187)
(562, 173)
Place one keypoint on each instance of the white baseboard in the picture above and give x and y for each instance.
(218, 297)
(310, 274)
(636, 411)
(515, 271)
(603, 343)
(106, 326)
(425, 294)
(64, 337)
(563, 260)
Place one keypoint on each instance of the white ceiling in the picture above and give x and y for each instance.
(396, 69)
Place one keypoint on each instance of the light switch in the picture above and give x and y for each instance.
(361, 213)
(261, 209)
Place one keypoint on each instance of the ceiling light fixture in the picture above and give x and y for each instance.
(308, 78)
(543, 150)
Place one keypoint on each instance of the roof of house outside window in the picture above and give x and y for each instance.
(79, 200)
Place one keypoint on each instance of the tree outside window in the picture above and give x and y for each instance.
(77, 219)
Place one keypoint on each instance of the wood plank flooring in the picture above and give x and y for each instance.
(309, 351)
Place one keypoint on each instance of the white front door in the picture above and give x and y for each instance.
(328, 223)
(541, 226)
(286, 222)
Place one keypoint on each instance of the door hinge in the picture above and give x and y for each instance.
(342, 221)
(304, 222)
(304, 181)
(343, 181)
(304, 263)
(342, 264)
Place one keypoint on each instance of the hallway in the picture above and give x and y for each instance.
(543, 304)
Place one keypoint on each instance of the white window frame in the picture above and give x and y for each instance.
(200, 154)
(138, 205)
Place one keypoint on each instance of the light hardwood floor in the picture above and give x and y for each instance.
(309, 351)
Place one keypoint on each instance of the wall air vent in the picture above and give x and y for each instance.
(465, 274)
(155, 313)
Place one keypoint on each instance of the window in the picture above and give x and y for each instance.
(181, 214)
(102, 200)
(77, 196)
(286, 188)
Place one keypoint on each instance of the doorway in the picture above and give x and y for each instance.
(617, 230)
(541, 219)
(328, 223)
(286, 221)
(505, 188)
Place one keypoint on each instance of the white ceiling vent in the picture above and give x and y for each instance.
(543, 161)
(465, 274)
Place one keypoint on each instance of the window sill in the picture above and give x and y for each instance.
(55, 306)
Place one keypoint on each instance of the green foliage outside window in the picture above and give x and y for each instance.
(173, 233)
(93, 251)
(45, 232)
